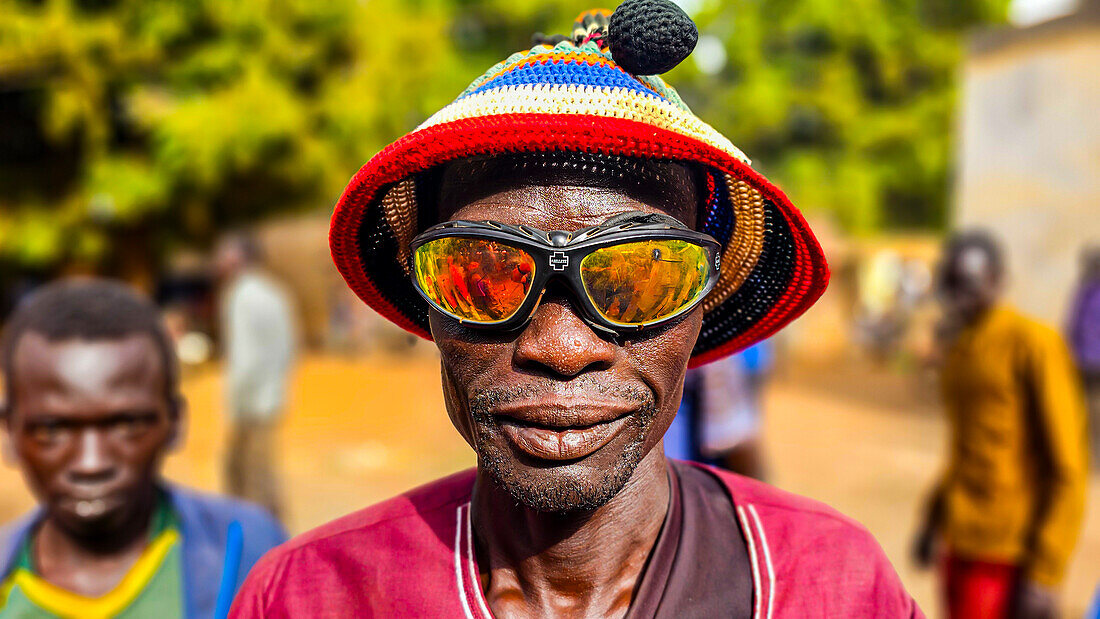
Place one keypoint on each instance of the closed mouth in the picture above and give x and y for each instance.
(559, 433)
(91, 505)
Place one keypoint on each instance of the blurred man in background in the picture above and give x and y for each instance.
(92, 406)
(257, 329)
(1010, 504)
(1084, 335)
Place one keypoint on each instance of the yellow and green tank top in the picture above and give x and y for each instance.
(152, 588)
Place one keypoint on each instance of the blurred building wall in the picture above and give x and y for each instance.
(1030, 151)
(296, 251)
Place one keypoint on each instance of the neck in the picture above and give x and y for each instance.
(91, 563)
(577, 564)
(981, 314)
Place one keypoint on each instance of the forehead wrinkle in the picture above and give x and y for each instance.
(556, 207)
(648, 185)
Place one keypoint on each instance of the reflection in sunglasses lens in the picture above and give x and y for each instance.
(642, 282)
(474, 279)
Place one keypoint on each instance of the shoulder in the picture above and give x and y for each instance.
(212, 514)
(415, 526)
(836, 560)
(1038, 345)
(1030, 331)
(796, 519)
(414, 504)
(259, 287)
(11, 539)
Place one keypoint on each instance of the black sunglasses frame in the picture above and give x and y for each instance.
(558, 255)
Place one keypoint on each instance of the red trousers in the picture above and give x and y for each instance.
(979, 589)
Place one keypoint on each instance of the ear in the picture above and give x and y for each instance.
(179, 423)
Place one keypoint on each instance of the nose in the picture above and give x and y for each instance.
(558, 341)
(92, 463)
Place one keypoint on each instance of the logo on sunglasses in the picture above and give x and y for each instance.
(558, 260)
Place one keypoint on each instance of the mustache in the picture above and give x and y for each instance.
(483, 403)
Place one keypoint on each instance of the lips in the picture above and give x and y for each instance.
(562, 429)
(91, 505)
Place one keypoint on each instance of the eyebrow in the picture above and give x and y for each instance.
(43, 418)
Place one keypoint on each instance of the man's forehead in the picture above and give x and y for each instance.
(82, 368)
(565, 190)
(552, 207)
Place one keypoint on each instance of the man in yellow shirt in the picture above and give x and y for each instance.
(1008, 508)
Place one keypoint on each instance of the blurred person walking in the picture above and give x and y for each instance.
(1009, 506)
(258, 331)
(92, 407)
(1084, 336)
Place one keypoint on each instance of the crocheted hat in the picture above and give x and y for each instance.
(594, 93)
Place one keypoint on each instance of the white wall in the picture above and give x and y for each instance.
(1029, 161)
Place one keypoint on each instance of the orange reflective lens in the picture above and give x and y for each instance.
(642, 282)
(478, 280)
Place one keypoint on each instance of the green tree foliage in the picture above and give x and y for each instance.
(163, 121)
(136, 125)
(849, 105)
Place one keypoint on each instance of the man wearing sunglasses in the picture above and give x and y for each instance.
(572, 238)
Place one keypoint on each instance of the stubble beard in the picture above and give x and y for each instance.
(541, 490)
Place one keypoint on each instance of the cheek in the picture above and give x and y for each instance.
(465, 363)
(662, 361)
(469, 356)
(39, 465)
(44, 466)
(143, 454)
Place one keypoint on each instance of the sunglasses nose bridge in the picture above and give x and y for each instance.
(561, 286)
(568, 294)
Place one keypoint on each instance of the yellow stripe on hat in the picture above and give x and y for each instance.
(587, 101)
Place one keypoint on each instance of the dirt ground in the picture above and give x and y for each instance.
(359, 430)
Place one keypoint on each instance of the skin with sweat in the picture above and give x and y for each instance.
(572, 485)
(90, 423)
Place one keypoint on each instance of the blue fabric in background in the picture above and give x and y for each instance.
(758, 358)
(678, 439)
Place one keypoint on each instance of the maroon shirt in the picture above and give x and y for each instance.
(413, 556)
(700, 565)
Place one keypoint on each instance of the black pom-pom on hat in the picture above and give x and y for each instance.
(648, 37)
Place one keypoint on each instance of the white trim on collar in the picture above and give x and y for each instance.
(466, 576)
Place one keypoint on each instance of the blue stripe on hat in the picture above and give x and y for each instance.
(567, 72)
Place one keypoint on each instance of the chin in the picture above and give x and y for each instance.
(561, 487)
(552, 486)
